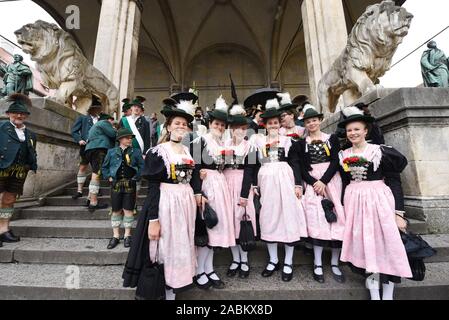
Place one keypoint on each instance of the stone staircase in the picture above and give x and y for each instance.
(62, 233)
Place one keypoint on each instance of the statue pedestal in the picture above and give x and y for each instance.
(57, 153)
(416, 122)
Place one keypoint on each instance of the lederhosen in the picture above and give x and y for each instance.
(123, 193)
(83, 159)
(96, 158)
(12, 179)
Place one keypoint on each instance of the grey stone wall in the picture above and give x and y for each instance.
(58, 154)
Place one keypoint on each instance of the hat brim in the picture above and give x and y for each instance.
(169, 102)
(185, 96)
(124, 136)
(177, 113)
(260, 97)
(319, 115)
(239, 120)
(271, 113)
(356, 118)
(218, 115)
(288, 107)
(12, 111)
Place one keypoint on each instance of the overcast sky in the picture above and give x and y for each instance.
(431, 16)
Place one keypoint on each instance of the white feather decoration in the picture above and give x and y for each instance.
(272, 104)
(352, 111)
(220, 105)
(237, 110)
(285, 98)
(186, 106)
(308, 107)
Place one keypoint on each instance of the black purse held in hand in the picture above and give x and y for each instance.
(151, 283)
(201, 236)
(328, 208)
(210, 216)
(246, 236)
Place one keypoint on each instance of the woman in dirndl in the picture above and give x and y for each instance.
(210, 185)
(315, 160)
(372, 243)
(282, 218)
(239, 185)
(289, 115)
(168, 215)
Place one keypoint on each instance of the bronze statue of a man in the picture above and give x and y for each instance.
(434, 66)
(18, 78)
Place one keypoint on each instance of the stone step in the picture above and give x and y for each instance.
(94, 252)
(105, 191)
(61, 201)
(37, 282)
(64, 213)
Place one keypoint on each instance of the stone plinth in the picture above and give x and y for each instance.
(416, 122)
(57, 153)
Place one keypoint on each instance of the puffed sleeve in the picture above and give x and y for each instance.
(335, 161)
(295, 157)
(393, 164)
(154, 171)
(196, 150)
(376, 135)
(252, 166)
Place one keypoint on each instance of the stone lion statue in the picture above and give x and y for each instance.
(367, 56)
(64, 67)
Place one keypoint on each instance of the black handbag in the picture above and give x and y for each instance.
(201, 235)
(417, 250)
(210, 216)
(246, 237)
(151, 283)
(258, 207)
(328, 208)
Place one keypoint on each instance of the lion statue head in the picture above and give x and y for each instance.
(376, 37)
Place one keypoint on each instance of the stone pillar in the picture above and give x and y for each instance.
(416, 122)
(117, 43)
(325, 36)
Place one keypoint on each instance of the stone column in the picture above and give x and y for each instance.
(325, 36)
(118, 41)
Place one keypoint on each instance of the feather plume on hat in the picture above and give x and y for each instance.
(308, 106)
(352, 111)
(186, 106)
(237, 110)
(20, 98)
(220, 105)
(272, 104)
(285, 98)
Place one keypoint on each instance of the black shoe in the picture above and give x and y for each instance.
(97, 207)
(287, 277)
(87, 204)
(77, 196)
(233, 272)
(127, 242)
(316, 277)
(339, 278)
(244, 274)
(205, 286)
(113, 243)
(268, 273)
(217, 284)
(9, 237)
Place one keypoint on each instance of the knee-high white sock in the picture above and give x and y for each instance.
(273, 252)
(387, 291)
(203, 252)
(243, 258)
(235, 257)
(170, 295)
(289, 251)
(318, 259)
(372, 284)
(209, 266)
(335, 261)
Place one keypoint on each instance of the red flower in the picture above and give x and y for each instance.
(188, 162)
(293, 135)
(227, 153)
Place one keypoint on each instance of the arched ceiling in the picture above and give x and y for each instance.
(179, 30)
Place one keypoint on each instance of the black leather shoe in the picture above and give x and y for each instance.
(97, 207)
(268, 273)
(316, 277)
(216, 284)
(205, 286)
(244, 274)
(127, 243)
(339, 278)
(287, 277)
(113, 243)
(9, 237)
(233, 272)
(77, 196)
